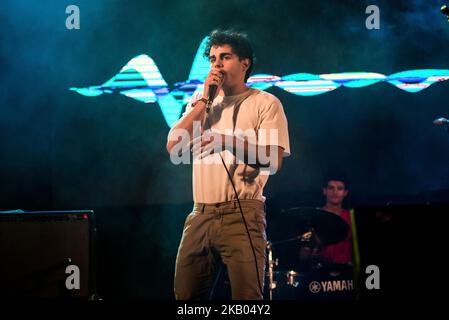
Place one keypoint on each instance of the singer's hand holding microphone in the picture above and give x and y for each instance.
(209, 141)
(213, 83)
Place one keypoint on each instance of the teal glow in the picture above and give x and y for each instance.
(140, 79)
(200, 66)
(171, 108)
(89, 91)
(262, 81)
(301, 77)
(359, 83)
(143, 95)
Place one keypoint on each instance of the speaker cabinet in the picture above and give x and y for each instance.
(47, 254)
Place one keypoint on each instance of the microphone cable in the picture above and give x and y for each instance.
(208, 105)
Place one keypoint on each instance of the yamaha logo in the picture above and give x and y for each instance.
(314, 287)
(331, 286)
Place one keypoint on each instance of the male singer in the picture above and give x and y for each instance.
(242, 139)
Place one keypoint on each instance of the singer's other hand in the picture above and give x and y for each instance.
(208, 143)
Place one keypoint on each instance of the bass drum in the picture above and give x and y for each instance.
(324, 282)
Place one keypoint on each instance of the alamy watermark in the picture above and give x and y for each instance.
(373, 279)
(373, 20)
(73, 279)
(73, 20)
(240, 146)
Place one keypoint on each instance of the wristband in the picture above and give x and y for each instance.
(202, 99)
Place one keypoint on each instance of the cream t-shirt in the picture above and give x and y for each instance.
(257, 111)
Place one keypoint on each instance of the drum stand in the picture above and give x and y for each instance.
(271, 263)
(307, 238)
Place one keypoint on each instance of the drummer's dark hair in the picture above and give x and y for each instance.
(336, 176)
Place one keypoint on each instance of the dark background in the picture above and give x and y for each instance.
(62, 150)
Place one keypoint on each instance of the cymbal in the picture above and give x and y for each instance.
(311, 226)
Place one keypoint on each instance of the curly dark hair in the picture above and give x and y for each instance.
(336, 176)
(238, 41)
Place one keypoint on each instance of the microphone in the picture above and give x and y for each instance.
(441, 122)
(212, 91)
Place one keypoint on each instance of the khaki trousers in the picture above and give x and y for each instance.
(214, 234)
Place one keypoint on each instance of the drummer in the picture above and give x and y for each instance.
(335, 190)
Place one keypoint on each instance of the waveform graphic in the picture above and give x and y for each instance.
(141, 79)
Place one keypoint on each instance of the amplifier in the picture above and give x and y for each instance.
(47, 254)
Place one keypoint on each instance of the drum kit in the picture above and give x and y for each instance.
(306, 229)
